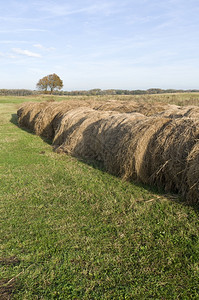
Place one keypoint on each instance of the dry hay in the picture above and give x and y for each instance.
(82, 132)
(152, 150)
(168, 151)
(40, 117)
(142, 107)
(43, 118)
(155, 150)
(113, 138)
(192, 174)
(49, 118)
(28, 113)
(174, 111)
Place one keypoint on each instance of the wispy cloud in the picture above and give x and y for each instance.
(26, 52)
(43, 48)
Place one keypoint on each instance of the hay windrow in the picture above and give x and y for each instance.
(147, 149)
(46, 121)
(151, 150)
(83, 132)
(156, 150)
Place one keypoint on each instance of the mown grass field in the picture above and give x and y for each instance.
(71, 231)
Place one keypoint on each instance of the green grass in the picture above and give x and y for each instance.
(72, 231)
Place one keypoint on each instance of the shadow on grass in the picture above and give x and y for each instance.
(14, 119)
(158, 191)
(174, 197)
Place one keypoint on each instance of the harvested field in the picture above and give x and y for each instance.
(157, 150)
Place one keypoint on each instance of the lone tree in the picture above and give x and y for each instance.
(50, 82)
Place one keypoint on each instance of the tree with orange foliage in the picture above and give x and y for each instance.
(50, 82)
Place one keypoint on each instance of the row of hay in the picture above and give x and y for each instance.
(154, 150)
(158, 151)
(43, 118)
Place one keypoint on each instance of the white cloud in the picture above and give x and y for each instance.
(39, 46)
(25, 52)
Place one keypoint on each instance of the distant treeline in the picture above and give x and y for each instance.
(17, 92)
(95, 92)
(124, 92)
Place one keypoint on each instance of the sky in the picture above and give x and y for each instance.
(126, 44)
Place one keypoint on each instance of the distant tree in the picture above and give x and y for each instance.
(50, 82)
(43, 84)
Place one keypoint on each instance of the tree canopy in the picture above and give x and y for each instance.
(50, 82)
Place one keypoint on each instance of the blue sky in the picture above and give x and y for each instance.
(100, 44)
